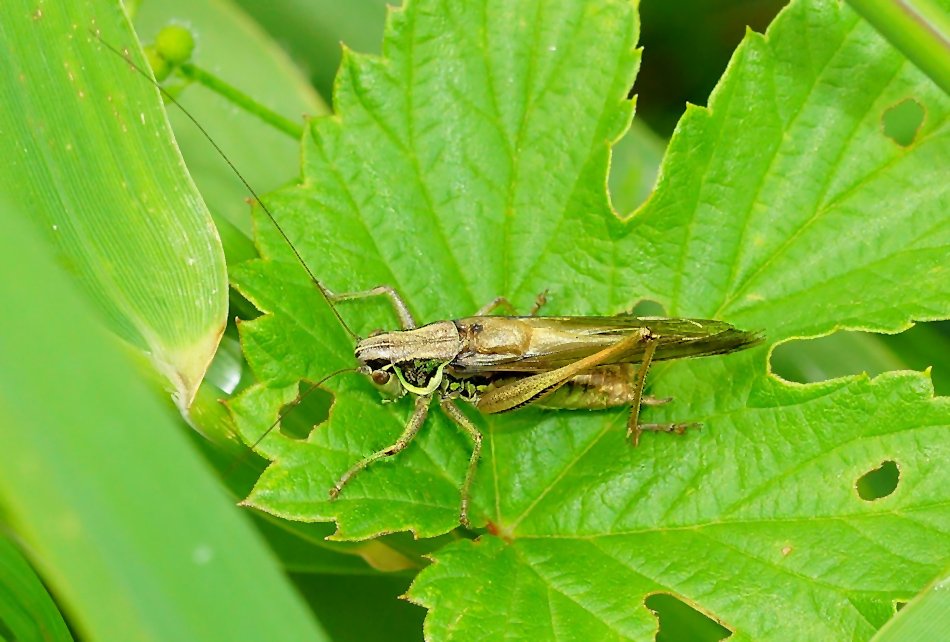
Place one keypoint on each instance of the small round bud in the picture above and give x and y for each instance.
(175, 44)
(160, 67)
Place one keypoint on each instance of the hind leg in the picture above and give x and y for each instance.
(634, 427)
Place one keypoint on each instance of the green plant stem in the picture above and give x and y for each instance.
(920, 29)
(242, 100)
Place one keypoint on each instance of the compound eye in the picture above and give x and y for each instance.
(380, 378)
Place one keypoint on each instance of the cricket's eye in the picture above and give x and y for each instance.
(380, 378)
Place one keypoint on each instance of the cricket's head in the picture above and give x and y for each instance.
(417, 357)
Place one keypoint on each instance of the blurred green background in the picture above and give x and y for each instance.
(284, 53)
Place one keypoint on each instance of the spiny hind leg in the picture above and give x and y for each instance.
(415, 422)
(459, 418)
(502, 302)
(402, 310)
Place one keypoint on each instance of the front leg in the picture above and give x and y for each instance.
(415, 423)
(461, 420)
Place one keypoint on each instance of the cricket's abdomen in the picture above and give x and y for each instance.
(602, 387)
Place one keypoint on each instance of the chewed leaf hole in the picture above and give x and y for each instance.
(836, 355)
(878, 483)
(852, 353)
(902, 121)
(680, 621)
(298, 419)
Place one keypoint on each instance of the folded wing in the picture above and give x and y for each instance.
(558, 341)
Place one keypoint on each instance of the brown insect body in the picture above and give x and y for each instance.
(467, 358)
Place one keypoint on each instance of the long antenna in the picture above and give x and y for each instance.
(126, 57)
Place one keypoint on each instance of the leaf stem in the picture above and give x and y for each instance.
(242, 100)
(920, 29)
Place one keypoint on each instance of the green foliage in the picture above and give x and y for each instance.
(118, 512)
(233, 47)
(89, 156)
(470, 162)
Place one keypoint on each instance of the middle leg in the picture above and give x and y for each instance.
(502, 302)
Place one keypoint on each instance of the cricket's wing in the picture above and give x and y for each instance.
(554, 342)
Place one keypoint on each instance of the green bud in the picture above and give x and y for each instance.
(175, 44)
(160, 67)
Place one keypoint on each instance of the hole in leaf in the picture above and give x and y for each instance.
(298, 420)
(839, 354)
(902, 121)
(878, 483)
(648, 308)
(899, 604)
(850, 353)
(680, 621)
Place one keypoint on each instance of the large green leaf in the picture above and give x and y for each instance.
(88, 155)
(120, 516)
(470, 161)
(313, 31)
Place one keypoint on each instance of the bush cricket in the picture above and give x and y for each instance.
(502, 363)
